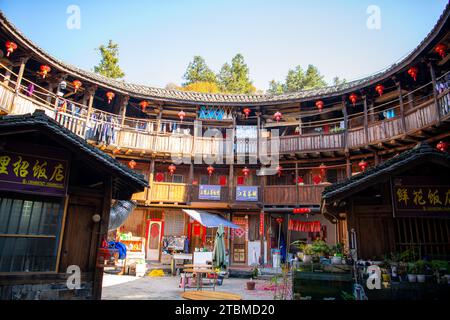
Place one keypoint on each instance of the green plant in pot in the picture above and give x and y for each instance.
(412, 272)
(421, 266)
(338, 254)
(441, 269)
(251, 284)
(320, 248)
(306, 251)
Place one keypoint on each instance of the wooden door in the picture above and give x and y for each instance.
(197, 235)
(239, 241)
(154, 240)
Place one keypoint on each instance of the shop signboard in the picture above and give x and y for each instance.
(420, 199)
(209, 192)
(246, 193)
(32, 173)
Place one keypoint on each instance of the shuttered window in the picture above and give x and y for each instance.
(174, 223)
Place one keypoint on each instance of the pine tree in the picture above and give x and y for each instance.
(109, 63)
(198, 71)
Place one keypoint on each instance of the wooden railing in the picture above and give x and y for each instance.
(141, 196)
(168, 192)
(293, 195)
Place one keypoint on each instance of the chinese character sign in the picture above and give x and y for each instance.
(33, 174)
(246, 193)
(207, 192)
(421, 199)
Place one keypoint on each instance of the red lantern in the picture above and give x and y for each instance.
(110, 96)
(77, 85)
(10, 47)
(363, 165)
(353, 98)
(279, 171)
(277, 116)
(143, 105)
(300, 181)
(210, 170)
(181, 115)
(413, 72)
(246, 172)
(302, 210)
(442, 146)
(379, 88)
(317, 179)
(172, 168)
(246, 112)
(323, 169)
(441, 49)
(319, 105)
(132, 164)
(279, 220)
(45, 70)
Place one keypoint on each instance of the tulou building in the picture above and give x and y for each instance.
(279, 167)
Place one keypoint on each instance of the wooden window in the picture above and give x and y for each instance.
(174, 223)
(29, 234)
(204, 180)
(177, 178)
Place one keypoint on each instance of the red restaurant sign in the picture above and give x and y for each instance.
(261, 223)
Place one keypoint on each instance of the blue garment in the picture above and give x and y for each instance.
(119, 246)
(283, 248)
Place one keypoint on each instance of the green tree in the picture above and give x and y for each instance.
(235, 78)
(109, 63)
(338, 82)
(198, 71)
(297, 79)
(275, 87)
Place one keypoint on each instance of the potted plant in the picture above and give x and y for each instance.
(251, 284)
(338, 254)
(412, 272)
(320, 248)
(420, 269)
(441, 270)
(305, 253)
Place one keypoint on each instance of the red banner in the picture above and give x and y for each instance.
(261, 223)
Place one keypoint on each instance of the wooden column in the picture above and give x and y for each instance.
(288, 237)
(366, 122)
(402, 107)
(376, 158)
(344, 111)
(190, 181)
(23, 62)
(297, 188)
(89, 94)
(435, 92)
(258, 115)
(123, 109)
(231, 184)
(150, 180)
(348, 165)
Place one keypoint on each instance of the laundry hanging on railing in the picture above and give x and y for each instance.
(304, 226)
(102, 128)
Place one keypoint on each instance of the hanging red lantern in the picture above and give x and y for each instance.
(132, 164)
(413, 72)
(363, 165)
(302, 210)
(442, 146)
(110, 96)
(353, 98)
(379, 88)
(279, 171)
(45, 70)
(323, 169)
(277, 116)
(441, 49)
(143, 105)
(279, 220)
(210, 170)
(319, 105)
(172, 168)
(181, 115)
(10, 47)
(300, 181)
(76, 85)
(246, 172)
(246, 112)
(317, 179)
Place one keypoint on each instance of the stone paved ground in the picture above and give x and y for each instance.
(166, 288)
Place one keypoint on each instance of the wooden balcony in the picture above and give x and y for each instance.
(141, 196)
(168, 192)
(293, 195)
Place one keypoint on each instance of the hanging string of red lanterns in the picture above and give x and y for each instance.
(110, 96)
(10, 47)
(246, 172)
(144, 105)
(302, 210)
(413, 71)
(181, 115)
(441, 49)
(132, 164)
(379, 88)
(278, 116)
(76, 85)
(353, 98)
(172, 168)
(246, 112)
(319, 105)
(210, 170)
(45, 70)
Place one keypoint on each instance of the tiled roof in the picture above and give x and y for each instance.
(38, 119)
(342, 189)
(152, 93)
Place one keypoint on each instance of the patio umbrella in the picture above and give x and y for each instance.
(219, 248)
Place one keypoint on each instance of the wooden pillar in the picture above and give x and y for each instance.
(190, 181)
(366, 122)
(23, 62)
(102, 233)
(297, 188)
(150, 180)
(348, 165)
(89, 94)
(288, 237)
(402, 107)
(258, 128)
(372, 112)
(435, 92)
(231, 184)
(123, 109)
(376, 158)
(344, 111)
(159, 117)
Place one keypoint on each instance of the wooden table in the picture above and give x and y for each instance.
(199, 272)
(210, 295)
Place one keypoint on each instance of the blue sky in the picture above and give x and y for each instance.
(158, 38)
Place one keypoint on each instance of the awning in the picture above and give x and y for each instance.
(209, 220)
